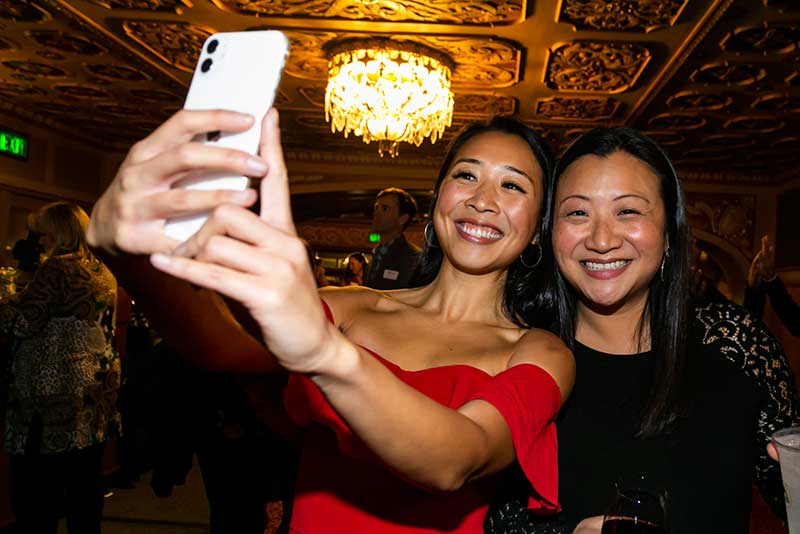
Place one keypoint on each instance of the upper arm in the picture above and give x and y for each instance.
(546, 350)
(346, 302)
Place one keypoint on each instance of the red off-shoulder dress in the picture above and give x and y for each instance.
(342, 487)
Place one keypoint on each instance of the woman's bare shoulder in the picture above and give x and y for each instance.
(548, 351)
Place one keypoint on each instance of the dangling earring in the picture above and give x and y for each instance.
(428, 240)
(663, 261)
(538, 258)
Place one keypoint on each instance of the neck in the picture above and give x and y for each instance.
(614, 330)
(388, 237)
(463, 297)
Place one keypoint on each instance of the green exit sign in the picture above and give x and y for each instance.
(13, 144)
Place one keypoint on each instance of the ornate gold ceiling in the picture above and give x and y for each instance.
(717, 82)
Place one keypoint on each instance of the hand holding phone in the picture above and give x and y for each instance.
(237, 71)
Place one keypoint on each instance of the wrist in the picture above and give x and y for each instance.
(339, 363)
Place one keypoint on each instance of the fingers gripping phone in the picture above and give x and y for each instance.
(238, 71)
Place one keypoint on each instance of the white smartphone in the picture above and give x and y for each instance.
(238, 71)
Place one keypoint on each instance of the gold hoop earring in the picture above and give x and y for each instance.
(428, 241)
(538, 258)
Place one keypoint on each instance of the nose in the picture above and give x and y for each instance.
(603, 236)
(484, 198)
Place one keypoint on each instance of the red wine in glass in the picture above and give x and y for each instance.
(629, 525)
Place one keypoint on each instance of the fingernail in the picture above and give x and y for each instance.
(160, 260)
(256, 165)
(244, 118)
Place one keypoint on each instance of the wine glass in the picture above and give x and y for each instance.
(637, 507)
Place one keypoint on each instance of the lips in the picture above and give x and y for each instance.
(478, 233)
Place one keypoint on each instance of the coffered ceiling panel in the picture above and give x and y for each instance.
(716, 82)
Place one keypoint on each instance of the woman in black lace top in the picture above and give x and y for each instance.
(687, 393)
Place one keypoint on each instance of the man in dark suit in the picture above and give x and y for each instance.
(394, 259)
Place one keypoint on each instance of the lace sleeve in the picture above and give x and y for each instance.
(513, 517)
(747, 344)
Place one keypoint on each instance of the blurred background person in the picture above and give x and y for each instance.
(394, 259)
(65, 374)
(354, 266)
(27, 252)
(763, 282)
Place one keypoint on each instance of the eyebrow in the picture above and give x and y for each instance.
(628, 195)
(507, 167)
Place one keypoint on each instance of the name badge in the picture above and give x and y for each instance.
(389, 274)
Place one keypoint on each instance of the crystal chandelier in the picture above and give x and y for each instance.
(388, 92)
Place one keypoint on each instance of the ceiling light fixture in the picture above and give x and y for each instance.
(389, 92)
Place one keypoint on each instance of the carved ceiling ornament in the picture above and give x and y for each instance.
(17, 11)
(726, 142)
(595, 66)
(117, 73)
(50, 55)
(83, 92)
(621, 15)
(62, 42)
(147, 5)
(755, 123)
(777, 102)
(665, 137)
(35, 69)
(483, 105)
(472, 12)
(682, 121)
(730, 217)
(728, 73)
(16, 90)
(176, 43)
(8, 44)
(484, 62)
(155, 95)
(697, 101)
(762, 39)
(577, 108)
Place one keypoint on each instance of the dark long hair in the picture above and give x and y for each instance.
(523, 295)
(667, 307)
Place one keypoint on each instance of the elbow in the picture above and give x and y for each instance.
(447, 479)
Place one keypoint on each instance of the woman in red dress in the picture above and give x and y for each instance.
(412, 401)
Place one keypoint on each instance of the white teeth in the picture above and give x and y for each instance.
(479, 232)
(605, 266)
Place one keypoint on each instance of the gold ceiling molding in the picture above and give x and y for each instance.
(147, 5)
(155, 95)
(699, 101)
(64, 42)
(176, 43)
(763, 39)
(17, 11)
(684, 121)
(13, 90)
(471, 12)
(115, 73)
(8, 44)
(725, 142)
(621, 15)
(577, 108)
(728, 73)
(481, 62)
(595, 66)
(755, 123)
(777, 102)
(50, 55)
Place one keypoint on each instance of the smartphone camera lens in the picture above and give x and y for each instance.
(206, 66)
(212, 46)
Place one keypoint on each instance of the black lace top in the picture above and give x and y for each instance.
(744, 391)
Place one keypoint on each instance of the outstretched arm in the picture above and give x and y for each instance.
(260, 262)
(127, 225)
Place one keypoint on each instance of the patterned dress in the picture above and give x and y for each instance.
(65, 371)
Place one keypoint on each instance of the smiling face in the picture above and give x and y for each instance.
(488, 203)
(609, 234)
